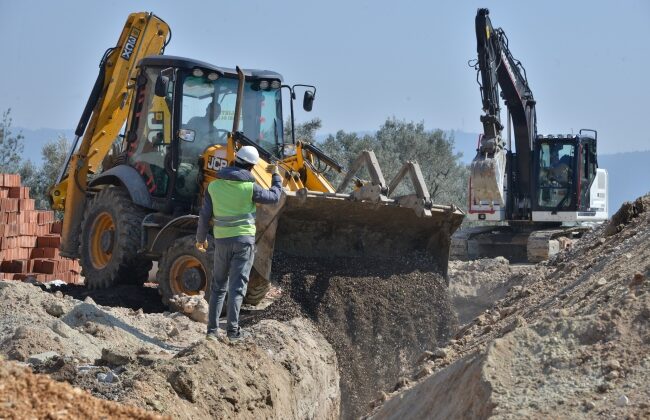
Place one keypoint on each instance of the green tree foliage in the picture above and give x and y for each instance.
(399, 141)
(40, 180)
(11, 145)
(304, 131)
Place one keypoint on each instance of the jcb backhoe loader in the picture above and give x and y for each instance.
(129, 200)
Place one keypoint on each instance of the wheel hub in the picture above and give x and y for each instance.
(187, 275)
(192, 279)
(106, 240)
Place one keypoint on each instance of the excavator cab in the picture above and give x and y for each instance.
(569, 186)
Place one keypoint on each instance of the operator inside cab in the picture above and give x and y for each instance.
(204, 126)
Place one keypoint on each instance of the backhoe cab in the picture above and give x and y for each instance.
(130, 201)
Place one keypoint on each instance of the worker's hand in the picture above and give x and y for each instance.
(202, 246)
(272, 169)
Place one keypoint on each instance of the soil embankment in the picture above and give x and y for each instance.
(162, 362)
(570, 338)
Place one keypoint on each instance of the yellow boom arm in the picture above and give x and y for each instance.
(144, 34)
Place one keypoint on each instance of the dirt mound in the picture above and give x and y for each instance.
(162, 361)
(26, 395)
(378, 314)
(572, 338)
(626, 213)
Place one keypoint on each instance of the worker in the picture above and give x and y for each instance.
(560, 168)
(230, 202)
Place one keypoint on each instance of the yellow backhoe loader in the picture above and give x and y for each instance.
(132, 198)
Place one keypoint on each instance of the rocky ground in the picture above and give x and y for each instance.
(162, 362)
(22, 396)
(568, 338)
(565, 338)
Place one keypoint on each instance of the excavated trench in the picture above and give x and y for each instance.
(379, 315)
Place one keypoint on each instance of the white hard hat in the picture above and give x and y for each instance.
(248, 154)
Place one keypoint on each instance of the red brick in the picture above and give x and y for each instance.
(45, 266)
(45, 253)
(45, 217)
(4, 192)
(16, 266)
(56, 227)
(9, 205)
(28, 216)
(9, 180)
(42, 230)
(26, 204)
(18, 192)
(43, 241)
(27, 241)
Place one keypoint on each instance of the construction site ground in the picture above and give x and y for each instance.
(352, 338)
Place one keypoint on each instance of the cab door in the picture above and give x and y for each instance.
(149, 138)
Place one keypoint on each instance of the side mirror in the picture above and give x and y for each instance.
(186, 134)
(308, 101)
(160, 89)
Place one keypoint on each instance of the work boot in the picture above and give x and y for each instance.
(237, 336)
(217, 335)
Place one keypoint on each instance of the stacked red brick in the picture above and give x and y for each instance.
(29, 238)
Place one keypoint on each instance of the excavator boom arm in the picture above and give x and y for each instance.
(103, 117)
(498, 68)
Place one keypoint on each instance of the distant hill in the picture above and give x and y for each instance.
(629, 176)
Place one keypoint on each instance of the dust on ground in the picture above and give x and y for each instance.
(571, 338)
(378, 315)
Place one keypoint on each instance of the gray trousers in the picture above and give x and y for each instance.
(232, 266)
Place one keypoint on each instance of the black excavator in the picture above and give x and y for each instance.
(530, 201)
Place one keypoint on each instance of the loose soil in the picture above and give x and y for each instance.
(378, 314)
(162, 361)
(26, 395)
(569, 339)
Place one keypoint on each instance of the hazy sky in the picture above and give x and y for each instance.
(588, 62)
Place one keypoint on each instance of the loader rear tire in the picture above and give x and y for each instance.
(185, 269)
(110, 238)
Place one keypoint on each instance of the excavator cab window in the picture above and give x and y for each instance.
(555, 175)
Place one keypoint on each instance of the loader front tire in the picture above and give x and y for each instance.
(185, 269)
(258, 286)
(110, 238)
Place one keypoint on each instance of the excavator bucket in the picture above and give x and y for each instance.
(367, 222)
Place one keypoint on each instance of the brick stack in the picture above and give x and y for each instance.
(29, 238)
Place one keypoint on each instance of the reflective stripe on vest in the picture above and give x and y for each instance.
(233, 209)
(237, 220)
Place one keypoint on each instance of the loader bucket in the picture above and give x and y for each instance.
(315, 224)
(318, 225)
(366, 222)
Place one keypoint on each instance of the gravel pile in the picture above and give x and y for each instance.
(378, 314)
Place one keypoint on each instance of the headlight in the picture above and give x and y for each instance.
(264, 84)
(289, 149)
